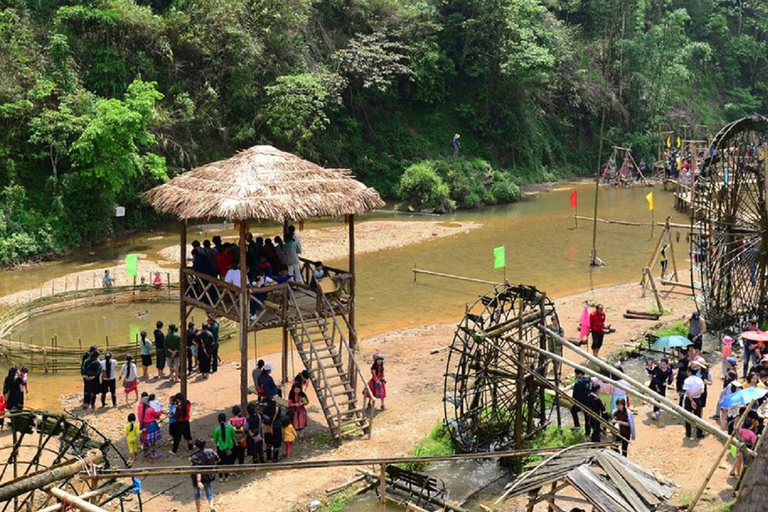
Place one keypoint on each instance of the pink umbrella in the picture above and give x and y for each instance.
(584, 321)
(755, 335)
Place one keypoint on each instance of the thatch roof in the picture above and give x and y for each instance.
(263, 183)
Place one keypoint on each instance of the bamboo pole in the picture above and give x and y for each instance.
(632, 223)
(320, 464)
(725, 449)
(87, 495)
(74, 501)
(654, 290)
(244, 317)
(450, 276)
(664, 403)
(593, 261)
(183, 308)
(352, 326)
(40, 479)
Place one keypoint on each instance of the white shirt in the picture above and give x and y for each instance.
(233, 276)
(109, 374)
(694, 386)
(129, 372)
(265, 281)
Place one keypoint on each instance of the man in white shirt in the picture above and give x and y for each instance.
(233, 276)
(693, 387)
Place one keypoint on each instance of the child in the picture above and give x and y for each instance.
(157, 282)
(747, 434)
(145, 347)
(132, 437)
(289, 434)
(622, 418)
(152, 434)
(3, 406)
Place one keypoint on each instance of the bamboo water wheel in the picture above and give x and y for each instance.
(44, 458)
(490, 401)
(730, 226)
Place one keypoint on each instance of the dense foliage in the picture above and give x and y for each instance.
(101, 99)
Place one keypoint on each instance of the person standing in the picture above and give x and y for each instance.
(623, 419)
(750, 349)
(92, 379)
(224, 439)
(255, 435)
(181, 428)
(239, 423)
(297, 402)
(213, 326)
(273, 431)
(131, 431)
(108, 379)
(204, 349)
(455, 145)
(159, 349)
(192, 349)
(145, 349)
(130, 377)
(581, 389)
(697, 327)
(682, 373)
(693, 387)
(661, 377)
(596, 405)
(597, 328)
(203, 481)
(151, 430)
(290, 255)
(377, 384)
(172, 348)
(13, 391)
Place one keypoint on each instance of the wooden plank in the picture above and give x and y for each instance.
(594, 489)
(658, 486)
(627, 474)
(624, 487)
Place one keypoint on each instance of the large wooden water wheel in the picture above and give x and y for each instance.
(491, 401)
(46, 458)
(730, 224)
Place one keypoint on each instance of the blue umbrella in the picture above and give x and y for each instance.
(670, 342)
(743, 397)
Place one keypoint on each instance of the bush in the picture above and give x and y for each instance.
(503, 190)
(422, 188)
(438, 442)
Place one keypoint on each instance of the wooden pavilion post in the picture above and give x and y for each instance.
(244, 317)
(284, 357)
(183, 308)
(352, 330)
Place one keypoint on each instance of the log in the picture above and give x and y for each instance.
(90, 494)
(629, 223)
(40, 479)
(451, 276)
(665, 403)
(339, 488)
(645, 313)
(632, 316)
(74, 501)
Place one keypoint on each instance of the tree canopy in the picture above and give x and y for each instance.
(102, 99)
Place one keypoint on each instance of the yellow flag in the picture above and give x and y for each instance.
(649, 198)
(669, 142)
(678, 141)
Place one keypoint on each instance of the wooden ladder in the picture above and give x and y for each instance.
(324, 350)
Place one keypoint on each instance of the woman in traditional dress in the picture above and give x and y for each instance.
(297, 401)
(377, 384)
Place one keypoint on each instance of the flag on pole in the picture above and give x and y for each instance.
(649, 198)
(574, 199)
(499, 257)
(669, 141)
(678, 141)
(132, 265)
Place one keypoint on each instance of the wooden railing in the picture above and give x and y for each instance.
(212, 294)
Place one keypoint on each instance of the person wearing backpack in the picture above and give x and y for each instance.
(240, 442)
(455, 145)
(203, 481)
(255, 435)
(224, 439)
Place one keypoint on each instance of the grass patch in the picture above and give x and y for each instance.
(437, 442)
(338, 501)
(555, 437)
(727, 507)
(655, 309)
(675, 328)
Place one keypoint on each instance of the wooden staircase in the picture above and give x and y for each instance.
(324, 350)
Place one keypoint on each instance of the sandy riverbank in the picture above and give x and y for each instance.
(414, 406)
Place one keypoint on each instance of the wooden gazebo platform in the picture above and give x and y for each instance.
(263, 183)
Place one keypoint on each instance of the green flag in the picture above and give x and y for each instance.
(499, 257)
(132, 265)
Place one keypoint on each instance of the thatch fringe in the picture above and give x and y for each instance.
(263, 183)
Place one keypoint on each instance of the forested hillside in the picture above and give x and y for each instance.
(101, 99)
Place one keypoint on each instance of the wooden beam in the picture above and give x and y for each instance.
(90, 494)
(183, 308)
(629, 223)
(352, 333)
(244, 314)
(655, 291)
(450, 276)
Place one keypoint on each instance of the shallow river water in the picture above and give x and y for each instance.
(543, 248)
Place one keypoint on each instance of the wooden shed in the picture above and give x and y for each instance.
(601, 478)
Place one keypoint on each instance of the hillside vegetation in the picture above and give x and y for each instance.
(102, 99)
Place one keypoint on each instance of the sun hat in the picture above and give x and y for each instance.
(727, 340)
(379, 356)
(267, 367)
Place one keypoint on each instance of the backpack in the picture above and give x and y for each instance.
(239, 437)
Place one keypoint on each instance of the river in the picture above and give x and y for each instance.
(543, 249)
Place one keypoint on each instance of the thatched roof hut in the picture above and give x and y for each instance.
(260, 183)
(263, 183)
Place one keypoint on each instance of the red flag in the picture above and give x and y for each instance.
(573, 199)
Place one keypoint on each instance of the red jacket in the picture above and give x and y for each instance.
(596, 321)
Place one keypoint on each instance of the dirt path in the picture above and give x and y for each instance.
(414, 406)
